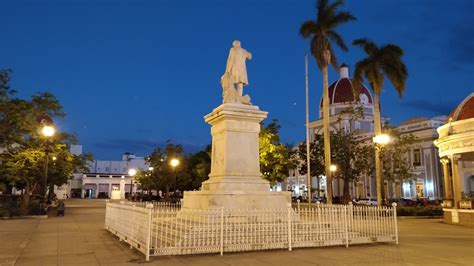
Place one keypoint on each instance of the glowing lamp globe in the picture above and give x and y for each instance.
(48, 131)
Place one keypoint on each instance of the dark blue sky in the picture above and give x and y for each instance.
(132, 74)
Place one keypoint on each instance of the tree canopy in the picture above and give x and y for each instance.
(275, 157)
(24, 149)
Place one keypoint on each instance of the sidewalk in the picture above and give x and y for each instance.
(79, 239)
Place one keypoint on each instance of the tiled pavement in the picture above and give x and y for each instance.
(79, 239)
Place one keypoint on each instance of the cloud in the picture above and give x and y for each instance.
(439, 108)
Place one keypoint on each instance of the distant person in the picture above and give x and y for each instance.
(61, 208)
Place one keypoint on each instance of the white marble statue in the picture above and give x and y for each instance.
(236, 73)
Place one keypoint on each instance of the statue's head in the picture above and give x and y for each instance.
(236, 43)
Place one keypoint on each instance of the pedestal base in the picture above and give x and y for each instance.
(236, 199)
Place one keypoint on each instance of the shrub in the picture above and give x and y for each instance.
(419, 211)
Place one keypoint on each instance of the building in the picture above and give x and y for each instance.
(103, 177)
(427, 175)
(427, 179)
(456, 149)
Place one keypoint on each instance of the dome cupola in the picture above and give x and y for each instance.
(341, 91)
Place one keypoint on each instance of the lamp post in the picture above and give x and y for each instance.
(380, 141)
(131, 172)
(150, 170)
(47, 131)
(174, 163)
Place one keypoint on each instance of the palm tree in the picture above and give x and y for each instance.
(322, 34)
(382, 62)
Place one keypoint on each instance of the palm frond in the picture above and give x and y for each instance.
(331, 8)
(341, 18)
(369, 46)
(397, 73)
(308, 28)
(335, 37)
(321, 7)
(334, 61)
(358, 79)
(392, 49)
(317, 46)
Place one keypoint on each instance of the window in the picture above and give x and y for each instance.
(357, 125)
(416, 157)
(107, 169)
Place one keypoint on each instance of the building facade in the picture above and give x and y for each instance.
(103, 178)
(426, 181)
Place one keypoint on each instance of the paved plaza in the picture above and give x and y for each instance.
(80, 239)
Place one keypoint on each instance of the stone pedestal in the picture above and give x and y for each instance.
(235, 179)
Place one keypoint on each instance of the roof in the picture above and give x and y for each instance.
(341, 91)
(465, 110)
(414, 120)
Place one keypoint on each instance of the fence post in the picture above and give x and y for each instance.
(346, 226)
(148, 233)
(107, 217)
(289, 226)
(222, 231)
(133, 225)
(395, 223)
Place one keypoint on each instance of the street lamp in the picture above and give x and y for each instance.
(47, 132)
(174, 163)
(333, 168)
(131, 172)
(380, 141)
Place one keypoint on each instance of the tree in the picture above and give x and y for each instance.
(316, 158)
(164, 176)
(394, 156)
(200, 167)
(322, 33)
(382, 62)
(24, 149)
(275, 157)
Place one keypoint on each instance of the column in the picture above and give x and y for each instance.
(448, 190)
(456, 180)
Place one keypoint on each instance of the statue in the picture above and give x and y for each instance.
(236, 73)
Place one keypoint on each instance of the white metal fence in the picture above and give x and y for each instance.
(172, 231)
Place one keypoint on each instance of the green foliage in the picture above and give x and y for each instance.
(275, 157)
(200, 167)
(20, 119)
(23, 158)
(316, 158)
(351, 154)
(394, 155)
(164, 176)
(322, 30)
(419, 211)
(5, 90)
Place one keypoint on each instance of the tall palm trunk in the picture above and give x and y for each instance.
(378, 163)
(327, 141)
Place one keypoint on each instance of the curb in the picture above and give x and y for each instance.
(420, 217)
(26, 217)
